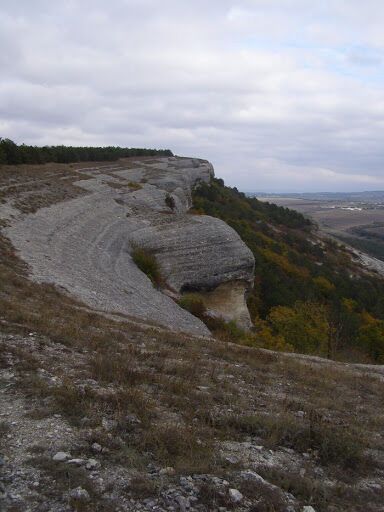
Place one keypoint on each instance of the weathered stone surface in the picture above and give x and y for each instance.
(235, 495)
(61, 456)
(84, 244)
(79, 494)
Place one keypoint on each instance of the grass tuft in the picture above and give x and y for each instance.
(147, 263)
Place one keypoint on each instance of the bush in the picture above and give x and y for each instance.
(147, 263)
(134, 186)
(193, 303)
(170, 202)
(264, 337)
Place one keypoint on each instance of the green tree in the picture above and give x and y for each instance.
(305, 326)
(371, 336)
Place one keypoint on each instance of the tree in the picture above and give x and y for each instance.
(371, 336)
(10, 149)
(305, 326)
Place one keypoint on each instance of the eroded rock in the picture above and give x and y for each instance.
(84, 244)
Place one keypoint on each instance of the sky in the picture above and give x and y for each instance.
(280, 95)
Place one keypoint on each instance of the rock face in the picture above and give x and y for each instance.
(84, 244)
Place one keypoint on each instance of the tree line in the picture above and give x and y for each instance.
(14, 154)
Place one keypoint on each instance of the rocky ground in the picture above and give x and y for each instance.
(155, 421)
(101, 413)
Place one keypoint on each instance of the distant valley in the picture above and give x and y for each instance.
(354, 218)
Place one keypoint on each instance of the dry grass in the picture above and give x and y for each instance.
(171, 399)
(141, 487)
(212, 497)
(331, 445)
(66, 477)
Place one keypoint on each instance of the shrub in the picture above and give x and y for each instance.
(264, 337)
(193, 303)
(141, 487)
(186, 449)
(225, 331)
(147, 263)
(170, 202)
(134, 186)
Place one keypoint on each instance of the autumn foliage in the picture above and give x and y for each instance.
(308, 295)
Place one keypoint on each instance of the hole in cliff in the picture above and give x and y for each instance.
(190, 288)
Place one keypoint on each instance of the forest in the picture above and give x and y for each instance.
(14, 154)
(309, 295)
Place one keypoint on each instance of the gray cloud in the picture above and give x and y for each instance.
(278, 94)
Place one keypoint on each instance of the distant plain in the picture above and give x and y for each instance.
(356, 219)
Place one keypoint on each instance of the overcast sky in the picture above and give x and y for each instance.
(280, 95)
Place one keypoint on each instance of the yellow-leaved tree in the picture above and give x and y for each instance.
(371, 336)
(305, 326)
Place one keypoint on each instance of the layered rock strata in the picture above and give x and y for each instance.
(85, 244)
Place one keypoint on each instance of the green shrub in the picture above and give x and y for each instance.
(147, 263)
(134, 186)
(193, 303)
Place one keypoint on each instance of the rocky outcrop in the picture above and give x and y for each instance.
(203, 254)
(84, 244)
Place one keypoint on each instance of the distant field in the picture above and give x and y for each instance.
(359, 223)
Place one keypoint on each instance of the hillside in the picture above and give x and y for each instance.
(308, 289)
(355, 219)
(107, 405)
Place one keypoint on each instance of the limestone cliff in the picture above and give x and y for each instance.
(84, 244)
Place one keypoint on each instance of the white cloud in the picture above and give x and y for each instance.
(279, 94)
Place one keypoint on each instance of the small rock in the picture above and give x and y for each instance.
(375, 486)
(92, 464)
(96, 447)
(251, 475)
(76, 462)
(108, 424)
(308, 508)
(167, 471)
(79, 494)
(232, 459)
(183, 503)
(133, 419)
(235, 495)
(300, 414)
(61, 456)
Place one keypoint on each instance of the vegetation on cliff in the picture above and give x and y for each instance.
(308, 293)
(13, 154)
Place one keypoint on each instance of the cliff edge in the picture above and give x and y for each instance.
(84, 244)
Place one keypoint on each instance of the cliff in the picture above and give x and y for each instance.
(99, 414)
(84, 244)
